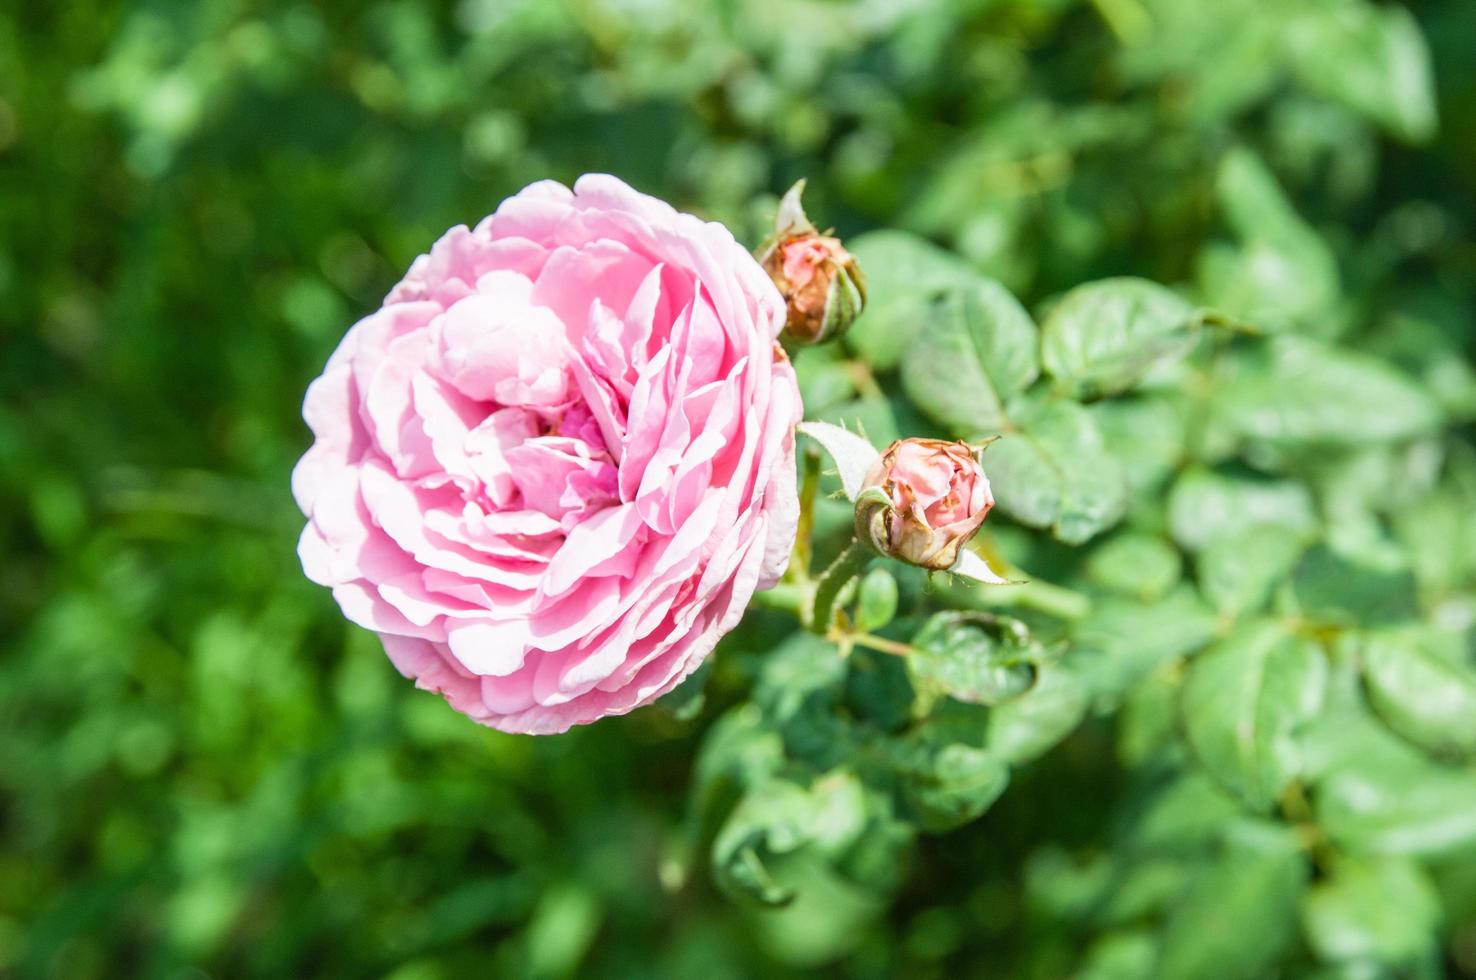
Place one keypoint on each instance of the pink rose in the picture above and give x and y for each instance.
(551, 470)
(934, 496)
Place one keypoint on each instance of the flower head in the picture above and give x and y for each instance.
(922, 501)
(551, 470)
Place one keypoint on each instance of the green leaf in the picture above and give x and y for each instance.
(1371, 58)
(826, 378)
(1297, 391)
(1330, 588)
(1187, 815)
(778, 817)
(1120, 956)
(1424, 693)
(949, 785)
(1244, 700)
(740, 749)
(1134, 564)
(876, 600)
(686, 702)
(1124, 641)
(1239, 914)
(1206, 506)
(1028, 726)
(773, 818)
(1388, 801)
(1055, 472)
(1148, 722)
(977, 658)
(1237, 572)
(1384, 909)
(1145, 434)
(1282, 273)
(1104, 337)
(977, 351)
(878, 689)
(903, 274)
(798, 688)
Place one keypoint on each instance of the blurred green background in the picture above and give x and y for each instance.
(205, 771)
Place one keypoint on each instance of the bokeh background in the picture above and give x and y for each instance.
(205, 771)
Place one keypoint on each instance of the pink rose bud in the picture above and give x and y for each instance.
(821, 283)
(922, 501)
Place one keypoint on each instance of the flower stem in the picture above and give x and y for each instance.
(803, 541)
(847, 565)
(871, 642)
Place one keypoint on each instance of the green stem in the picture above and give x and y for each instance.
(799, 566)
(872, 642)
(847, 565)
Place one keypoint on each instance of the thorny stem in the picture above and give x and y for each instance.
(847, 565)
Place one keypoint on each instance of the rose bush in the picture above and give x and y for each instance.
(551, 470)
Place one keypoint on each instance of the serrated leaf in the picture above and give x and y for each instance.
(977, 351)
(1026, 727)
(1426, 694)
(853, 456)
(1104, 337)
(976, 658)
(1244, 700)
(1055, 472)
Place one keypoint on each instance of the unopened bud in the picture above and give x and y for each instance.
(820, 281)
(922, 501)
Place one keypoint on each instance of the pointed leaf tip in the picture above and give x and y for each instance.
(853, 455)
(971, 566)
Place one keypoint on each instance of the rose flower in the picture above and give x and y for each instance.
(552, 469)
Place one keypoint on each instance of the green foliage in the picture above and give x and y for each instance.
(1104, 337)
(1205, 267)
(976, 351)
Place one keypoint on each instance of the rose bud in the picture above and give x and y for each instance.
(820, 281)
(922, 500)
